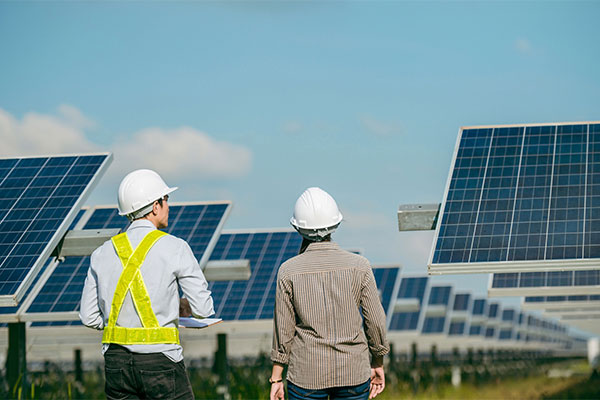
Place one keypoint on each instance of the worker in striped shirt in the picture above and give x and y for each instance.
(329, 325)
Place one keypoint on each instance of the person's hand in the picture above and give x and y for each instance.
(377, 382)
(185, 310)
(277, 391)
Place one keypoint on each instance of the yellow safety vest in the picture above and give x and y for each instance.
(131, 280)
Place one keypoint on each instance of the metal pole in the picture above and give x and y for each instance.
(16, 362)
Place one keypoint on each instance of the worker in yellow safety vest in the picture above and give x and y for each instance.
(132, 293)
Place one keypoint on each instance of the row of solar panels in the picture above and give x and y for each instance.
(411, 303)
(41, 196)
(419, 306)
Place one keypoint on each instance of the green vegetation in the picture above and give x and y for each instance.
(247, 379)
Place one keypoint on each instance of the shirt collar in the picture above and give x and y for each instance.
(141, 223)
(316, 246)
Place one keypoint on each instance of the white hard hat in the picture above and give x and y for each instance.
(316, 214)
(140, 189)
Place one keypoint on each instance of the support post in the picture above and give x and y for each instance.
(221, 367)
(16, 362)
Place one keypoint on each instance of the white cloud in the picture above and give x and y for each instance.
(377, 127)
(523, 46)
(74, 117)
(181, 153)
(38, 134)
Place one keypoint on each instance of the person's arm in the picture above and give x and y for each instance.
(193, 284)
(284, 329)
(276, 380)
(374, 323)
(89, 312)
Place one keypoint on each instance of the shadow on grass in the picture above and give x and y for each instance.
(585, 389)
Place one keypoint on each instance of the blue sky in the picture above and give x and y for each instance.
(256, 101)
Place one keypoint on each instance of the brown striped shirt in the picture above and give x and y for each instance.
(318, 325)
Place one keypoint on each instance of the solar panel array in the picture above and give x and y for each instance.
(266, 250)
(197, 223)
(40, 198)
(520, 195)
(546, 282)
(411, 288)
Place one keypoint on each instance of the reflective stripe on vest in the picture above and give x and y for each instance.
(131, 281)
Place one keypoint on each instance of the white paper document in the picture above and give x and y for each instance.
(198, 323)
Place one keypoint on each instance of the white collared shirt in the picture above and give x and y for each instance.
(169, 264)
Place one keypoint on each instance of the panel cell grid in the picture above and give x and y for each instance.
(385, 278)
(195, 223)
(266, 251)
(521, 194)
(38, 194)
(554, 279)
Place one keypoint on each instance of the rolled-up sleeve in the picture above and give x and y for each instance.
(193, 283)
(89, 311)
(374, 316)
(284, 322)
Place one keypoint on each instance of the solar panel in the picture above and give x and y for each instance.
(198, 223)
(478, 317)
(266, 250)
(408, 306)
(545, 283)
(40, 198)
(437, 308)
(521, 198)
(460, 313)
(388, 282)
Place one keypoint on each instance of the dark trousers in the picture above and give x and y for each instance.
(358, 392)
(144, 376)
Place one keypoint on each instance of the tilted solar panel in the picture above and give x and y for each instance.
(40, 198)
(386, 279)
(437, 309)
(198, 223)
(266, 250)
(521, 198)
(545, 283)
(461, 309)
(410, 296)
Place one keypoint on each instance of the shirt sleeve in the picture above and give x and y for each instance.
(193, 283)
(89, 312)
(374, 316)
(284, 322)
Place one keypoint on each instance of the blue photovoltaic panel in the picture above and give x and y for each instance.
(195, 223)
(386, 279)
(550, 299)
(410, 288)
(39, 200)
(493, 310)
(461, 302)
(508, 315)
(254, 298)
(439, 295)
(13, 310)
(521, 194)
(546, 279)
(479, 311)
(457, 328)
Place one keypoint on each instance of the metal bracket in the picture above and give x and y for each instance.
(418, 217)
(227, 270)
(83, 242)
